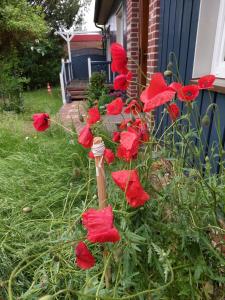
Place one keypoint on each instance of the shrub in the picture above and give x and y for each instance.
(41, 62)
(11, 85)
(96, 88)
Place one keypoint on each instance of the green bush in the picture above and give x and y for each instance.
(96, 88)
(41, 62)
(11, 84)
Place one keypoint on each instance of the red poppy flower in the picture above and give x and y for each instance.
(109, 156)
(115, 107)
(127, 155)
(99, 224)
(129, 140)
(129, 144)
(157, 85)
(188, 93)
(116, 136)
(119, 59)
(123, 177)
(84, 259)
(206, 82)
(129, 182)
(86, 137)
(133, 107)
(142, 130)
(93, 116)
(121, 82)
(125, 123)
(91, 155)
(174, 111)
(159, 100)
(157, 93)
(175, 86)
(41, 121)
(135, 194)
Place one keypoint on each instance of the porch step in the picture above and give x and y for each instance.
(75, 92)
(76, 88)
(78, 97)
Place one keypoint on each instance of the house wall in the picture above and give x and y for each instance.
(153, 37)
(178, 28)
(133, 40)
(133, 44)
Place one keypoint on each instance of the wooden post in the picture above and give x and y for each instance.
(100, 175)
(102, 197)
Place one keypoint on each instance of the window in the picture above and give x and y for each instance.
(210, 41)
(119, 25)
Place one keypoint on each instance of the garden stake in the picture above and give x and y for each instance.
(98, 149)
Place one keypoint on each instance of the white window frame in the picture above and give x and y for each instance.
(218, 63)
(119, 25)
(210, 40)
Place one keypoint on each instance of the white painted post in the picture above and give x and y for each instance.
(109, 71)
(64, 70)
(69, 70)
(62, 88)
(89, 68)
(68, 46)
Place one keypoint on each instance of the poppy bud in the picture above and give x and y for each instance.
(205, 120)
(168, 73)
(207, 158)
(81, 118)
(170, 65)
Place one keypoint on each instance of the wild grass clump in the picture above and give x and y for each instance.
(43, 189)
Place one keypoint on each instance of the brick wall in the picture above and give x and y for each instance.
(153, 36)
(133, 33)
(132, 43)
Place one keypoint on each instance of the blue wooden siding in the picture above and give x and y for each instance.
(178, 28)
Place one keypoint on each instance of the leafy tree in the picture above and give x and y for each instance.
(61, 13)
(19, 23)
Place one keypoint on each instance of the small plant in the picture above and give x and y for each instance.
(96, 88)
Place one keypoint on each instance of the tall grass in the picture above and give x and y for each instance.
(45, 174)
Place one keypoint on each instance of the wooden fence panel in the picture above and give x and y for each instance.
(178, 29)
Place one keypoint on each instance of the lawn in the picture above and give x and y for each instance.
(42, 182)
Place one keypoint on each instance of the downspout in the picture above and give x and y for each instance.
(103, 33)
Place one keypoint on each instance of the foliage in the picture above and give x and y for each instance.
(61, 14)
(19, 23)
(40, 62)
(170, 248)
(11, 85)
(104, 99)
(96, 88)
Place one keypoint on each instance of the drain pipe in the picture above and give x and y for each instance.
(103, 33)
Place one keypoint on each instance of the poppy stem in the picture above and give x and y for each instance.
(65, 128)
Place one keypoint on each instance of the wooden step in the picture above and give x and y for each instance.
(74, 88)
(74, 93)
(78, 97)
